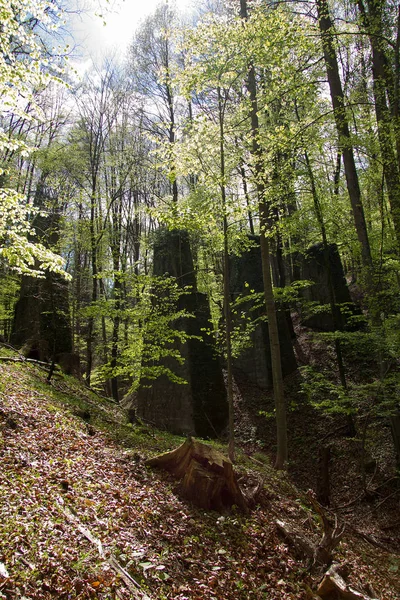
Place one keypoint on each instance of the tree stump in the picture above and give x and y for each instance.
(207, 476)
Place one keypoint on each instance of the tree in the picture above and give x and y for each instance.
(214, 81)
(98, 107)
(153, 66)
(345, 142)
(121, 183)
(24, 70)
(257, 154)
(220, 62)
(108, 158)
(385, 85)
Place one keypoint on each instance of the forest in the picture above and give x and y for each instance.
(205, 234)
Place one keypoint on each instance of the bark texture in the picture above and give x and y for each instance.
(207, 476)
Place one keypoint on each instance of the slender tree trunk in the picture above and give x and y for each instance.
(336, 175)
(115, 332)
(386, 84)
(277, 378)
(395, 428)
(228, 333)
(342, 126)
(337, 325)
(171, 110)
(227, 306)
(115, 247)
(93, 248)
(396, 87)
(246, 195)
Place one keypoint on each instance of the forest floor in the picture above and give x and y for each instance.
(81, 516)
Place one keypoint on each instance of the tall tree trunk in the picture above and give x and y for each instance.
(115, 331)
(342, 126)
(171, 110)
(246, 195)
(382, 85)
(243, 176)
(277, 378)
(227, 306)
(93, 249)
(320, 218)
(118, 266)
(395, 428)
(396, 88)
(337, 325)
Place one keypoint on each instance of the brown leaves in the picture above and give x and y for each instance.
(50, 466)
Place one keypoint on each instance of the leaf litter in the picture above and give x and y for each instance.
(81, 519)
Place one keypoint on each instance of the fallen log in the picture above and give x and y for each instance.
(23, 359)
(302, 545)
(207, 476)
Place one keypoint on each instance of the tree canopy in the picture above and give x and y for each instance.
(270, 124)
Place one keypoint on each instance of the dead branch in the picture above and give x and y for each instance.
(320, 555)
(333, 432)
(72, 518)
(258, 462)
(351, 502)
(22, 359)
(331, 536)
(128, 579)
(369, 538)
(365, 536)
(386, 499)
(391, 526)
(7, 345)
(381, 485)
(134, 587)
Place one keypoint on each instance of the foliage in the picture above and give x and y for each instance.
(325, 394)
(376, 392)
(9, 289)
(153, 315)
(24, 68)
(167, 140)
(21, 254)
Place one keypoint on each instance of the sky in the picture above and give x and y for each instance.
(114, 29)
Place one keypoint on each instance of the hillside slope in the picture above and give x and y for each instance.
(82, 517)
